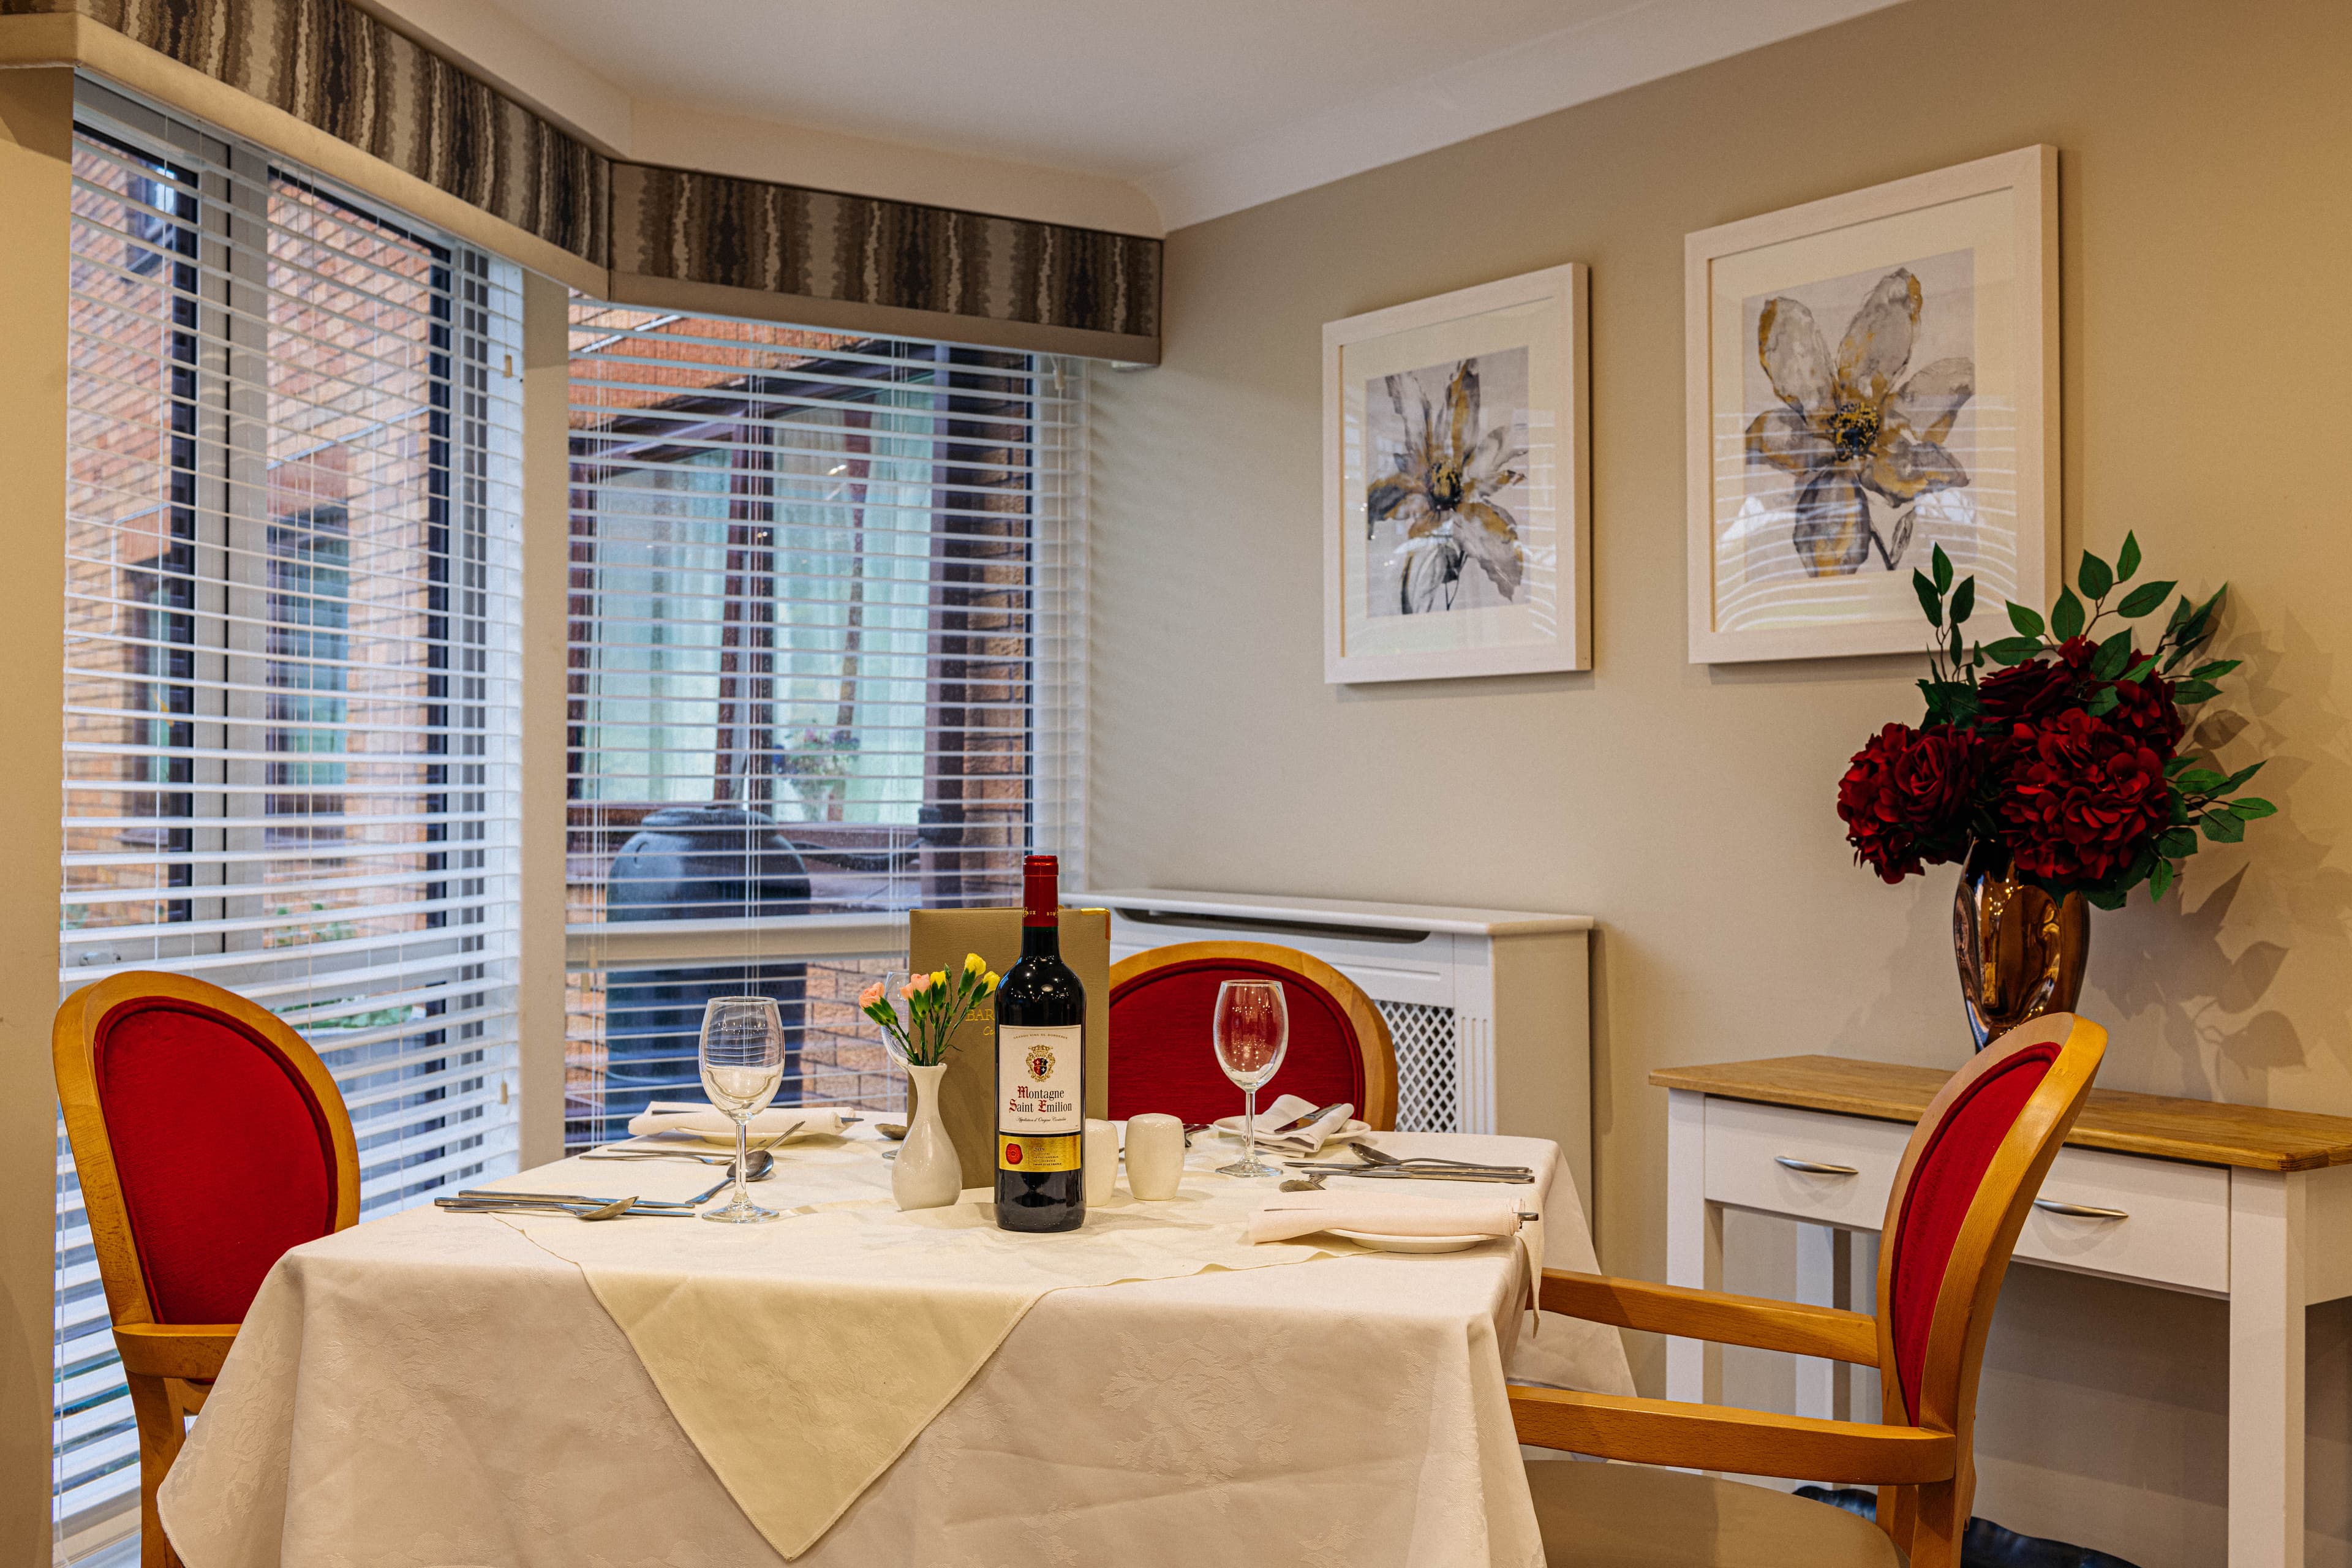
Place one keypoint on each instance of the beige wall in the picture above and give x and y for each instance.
(2206, 183)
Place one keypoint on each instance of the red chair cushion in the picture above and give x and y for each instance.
(224, 1154)
(1163, 1057)
(1943, 1185)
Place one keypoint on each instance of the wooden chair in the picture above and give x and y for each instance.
(209, 1139)
(1160, 1055)
(1959, 1198)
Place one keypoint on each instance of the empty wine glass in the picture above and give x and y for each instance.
(742, 1064)
(1252, 1028)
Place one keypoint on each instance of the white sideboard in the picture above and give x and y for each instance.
(1490, 1008)
(2240, 1202)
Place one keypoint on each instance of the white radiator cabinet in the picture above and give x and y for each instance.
(1491, 1009)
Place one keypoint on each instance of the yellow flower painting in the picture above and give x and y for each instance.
(1446, 453)
(1857, 424)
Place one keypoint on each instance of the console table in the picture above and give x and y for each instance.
(2186, 1194)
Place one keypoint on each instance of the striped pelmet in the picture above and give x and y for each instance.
(335, 66)
(787, 240)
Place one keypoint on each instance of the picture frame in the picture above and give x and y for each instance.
(1456, 471)
(1868, 377)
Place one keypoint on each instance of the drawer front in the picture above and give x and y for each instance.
(2176, 1230)
(1752, 1152)
(2174, 1227)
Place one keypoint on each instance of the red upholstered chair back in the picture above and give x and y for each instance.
(209, 1137)
(1161, 1056)
(1960, 1196)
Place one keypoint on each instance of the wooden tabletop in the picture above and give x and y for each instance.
(2202, 1131)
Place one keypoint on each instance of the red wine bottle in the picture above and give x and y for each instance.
(1041, 1069)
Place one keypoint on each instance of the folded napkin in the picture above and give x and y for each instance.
(1305, 1140)
(713, 1125)
(1381, 1214)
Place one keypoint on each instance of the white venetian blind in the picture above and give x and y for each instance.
(826, 664)
(289, 658)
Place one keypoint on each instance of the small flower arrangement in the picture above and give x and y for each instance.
(936, 1004)
(2067, 757)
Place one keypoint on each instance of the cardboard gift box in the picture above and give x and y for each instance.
(938, 938)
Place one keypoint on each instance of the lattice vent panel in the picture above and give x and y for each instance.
(1425, 1038)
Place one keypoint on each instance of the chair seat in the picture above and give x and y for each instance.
(1635, 1516)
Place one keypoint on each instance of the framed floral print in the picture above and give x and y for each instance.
(1869, 377)
(1454, 470)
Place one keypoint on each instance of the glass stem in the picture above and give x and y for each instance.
(742, 1158)
(1249, 1125)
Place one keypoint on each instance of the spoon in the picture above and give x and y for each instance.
(1313, 1183)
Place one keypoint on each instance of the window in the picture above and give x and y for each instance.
(826, 664)
(290, 660)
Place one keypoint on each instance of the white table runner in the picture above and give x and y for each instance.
(431, 1389)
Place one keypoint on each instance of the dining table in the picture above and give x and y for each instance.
(853, 1384)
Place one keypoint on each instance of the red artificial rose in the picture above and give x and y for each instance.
(2083, 797)
(2033, 692)
(1905, 798)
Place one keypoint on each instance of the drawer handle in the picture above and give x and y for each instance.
(1812, 1167)
(2079, 1211)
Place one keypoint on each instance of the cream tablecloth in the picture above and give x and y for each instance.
(434, 1390)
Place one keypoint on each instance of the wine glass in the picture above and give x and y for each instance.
(742, 1064)
(1252, 1029)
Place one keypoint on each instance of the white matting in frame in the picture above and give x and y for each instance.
(1456, 541)
(1869, 377)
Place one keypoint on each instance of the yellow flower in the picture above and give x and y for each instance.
(1846, 430)
(1444, 491)
(991, 980)
(938, 977)
(974, 966)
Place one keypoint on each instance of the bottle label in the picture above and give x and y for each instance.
(1058, 1152)
(1037, 1073)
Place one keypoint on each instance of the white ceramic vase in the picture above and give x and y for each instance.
(926, 1175)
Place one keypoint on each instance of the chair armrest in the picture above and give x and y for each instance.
(1711, 1315)
(1718, 1438)
(187, 1350)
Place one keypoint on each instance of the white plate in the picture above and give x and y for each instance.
(1412, 1242)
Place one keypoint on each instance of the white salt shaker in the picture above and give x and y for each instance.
(1101, 1157)
(1155, 1154)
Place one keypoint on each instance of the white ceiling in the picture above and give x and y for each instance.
(1202, 106)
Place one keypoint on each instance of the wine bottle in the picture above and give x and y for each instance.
(1041, 1069)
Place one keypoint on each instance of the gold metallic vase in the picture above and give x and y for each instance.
(2021, 953)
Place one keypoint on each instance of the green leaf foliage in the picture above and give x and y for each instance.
(2113, 655)
(2222, 827)
(1930, 600)
(2104, 899)
(2127, 559)
(2094, 576)
(2066, 615)
(2146, 599)
(2139, 672)
(2200, 781)
(2194, 691)
(2012, 650)
(2101, 703)
(2179, 764)
(2240, 777)
(2027, 622)
(2215, 670)
(2252, 808)
(2160, 881)
(1943, 565)
(2176, 843)
(1964, 600)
